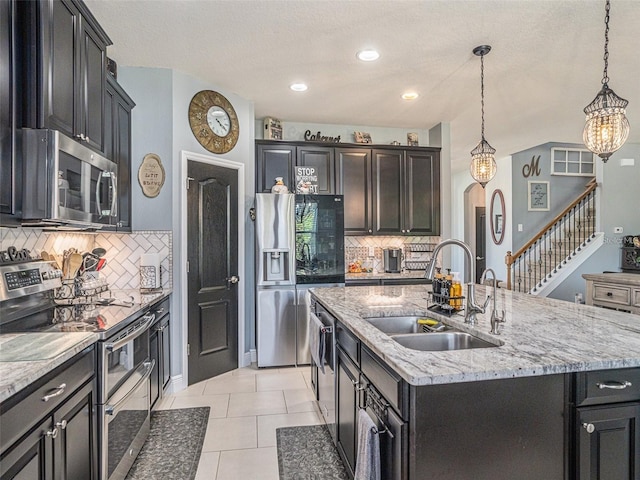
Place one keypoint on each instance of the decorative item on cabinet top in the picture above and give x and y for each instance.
(213, 121)
(151, 175)
(272, 129)
(412, 139)
(362, 137)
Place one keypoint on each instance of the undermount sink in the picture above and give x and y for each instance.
(396, 325)
(441, 341)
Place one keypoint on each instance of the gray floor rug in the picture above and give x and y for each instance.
(307, 453)
(173, 448)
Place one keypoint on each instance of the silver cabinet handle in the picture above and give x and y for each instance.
(589, 427)
(62, 424)
(614, 385)
(56, 393)
(52, 433)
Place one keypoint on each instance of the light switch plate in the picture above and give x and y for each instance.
(372, 252)
(520, 228)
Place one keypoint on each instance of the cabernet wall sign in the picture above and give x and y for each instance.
(151, 175)
(318, 137)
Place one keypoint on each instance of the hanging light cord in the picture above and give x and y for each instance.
(482, 91)
(605, 76)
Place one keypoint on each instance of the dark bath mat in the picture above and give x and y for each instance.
(173, 448)
(308, 453)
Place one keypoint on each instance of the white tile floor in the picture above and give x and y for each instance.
(247, 405)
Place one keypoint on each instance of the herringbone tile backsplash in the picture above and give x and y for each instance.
(123, 250)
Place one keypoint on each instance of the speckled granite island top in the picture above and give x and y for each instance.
(407, 274)
(25, 357)
(540, 337)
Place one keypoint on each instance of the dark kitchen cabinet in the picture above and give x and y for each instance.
(159, 350)
(64, 52)
(353, 166)
(347, 409)
(8, 172)
(406, 192)
(322, 161)
(118, 107)
(274, 160)
(54, 438)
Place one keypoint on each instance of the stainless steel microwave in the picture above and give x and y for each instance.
(65, 183)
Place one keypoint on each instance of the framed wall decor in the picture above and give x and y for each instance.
(362, 137)
(538, 195)
(497, 216)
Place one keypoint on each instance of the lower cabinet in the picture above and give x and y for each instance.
(347, 409)
(159, 350)
(61, 443)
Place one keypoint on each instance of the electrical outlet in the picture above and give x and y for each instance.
(372, 252)
(618, 229)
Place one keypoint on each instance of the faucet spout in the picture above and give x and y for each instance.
(471, 308)
(496, 318)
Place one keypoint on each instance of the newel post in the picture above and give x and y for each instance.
(508, 259)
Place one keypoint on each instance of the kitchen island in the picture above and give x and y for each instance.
(555, 395)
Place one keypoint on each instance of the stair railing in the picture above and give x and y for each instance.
(549, 249)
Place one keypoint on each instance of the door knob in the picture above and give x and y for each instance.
(233, 279)
(589, 427)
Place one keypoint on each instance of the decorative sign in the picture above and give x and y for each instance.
(151, 175)
(306, 180)
(533, 168)
(362, 137)
(538, 196)
(318, 137)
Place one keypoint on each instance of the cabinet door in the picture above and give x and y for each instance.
(346, 384)
(421, 193)
(388, 192)
(274, 160)
(321, 159)
(154, 354)
(59, 80)
(31, 458)
(7, 113)
(90, 113)
(353, 167)
(612, 450)
(75, 447)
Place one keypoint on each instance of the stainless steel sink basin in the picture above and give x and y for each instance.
(441, 341)
(395, 325)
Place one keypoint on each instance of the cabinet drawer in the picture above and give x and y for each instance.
(20, 412)
(635, 297)
(349, 344)
(386, 382)
(608, 386)
(611, 294)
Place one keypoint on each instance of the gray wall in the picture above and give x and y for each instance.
(619, 206)
(562, 190)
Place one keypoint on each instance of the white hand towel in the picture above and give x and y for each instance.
(368, 456)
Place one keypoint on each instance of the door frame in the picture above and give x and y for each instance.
(181, 271)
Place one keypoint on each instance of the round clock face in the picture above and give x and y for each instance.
(213, 121)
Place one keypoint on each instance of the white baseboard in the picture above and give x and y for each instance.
(176, 384)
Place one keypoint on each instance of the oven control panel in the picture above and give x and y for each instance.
(18, 280)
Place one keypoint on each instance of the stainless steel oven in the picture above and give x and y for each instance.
(326, 381)
(124, 396)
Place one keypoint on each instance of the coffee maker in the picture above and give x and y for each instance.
(392, 260)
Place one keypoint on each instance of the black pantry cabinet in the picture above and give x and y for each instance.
(387, 191)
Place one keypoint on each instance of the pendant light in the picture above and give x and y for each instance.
(606, 128)
(483, 163)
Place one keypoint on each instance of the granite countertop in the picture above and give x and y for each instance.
(626, 279)
(540, 337)
(25, 357)
(407, 274)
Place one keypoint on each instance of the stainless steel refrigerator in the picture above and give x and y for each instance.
(299, 245)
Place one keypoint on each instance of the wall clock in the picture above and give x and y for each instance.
(213, 121)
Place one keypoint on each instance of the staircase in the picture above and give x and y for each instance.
(560, 246)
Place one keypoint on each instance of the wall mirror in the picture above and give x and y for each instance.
(497, 216)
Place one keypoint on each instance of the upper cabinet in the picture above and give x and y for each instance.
(64, 69)
(387, 191)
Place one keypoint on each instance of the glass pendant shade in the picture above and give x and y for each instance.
(606, 128)
(483, 163)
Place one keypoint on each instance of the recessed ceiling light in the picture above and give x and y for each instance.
(368, 55)
(298, 87)
(410, 96)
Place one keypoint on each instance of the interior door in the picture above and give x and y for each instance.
(212, 243)
(481, 242)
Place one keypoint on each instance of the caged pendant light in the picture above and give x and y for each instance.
(483, 163)
(606, 128)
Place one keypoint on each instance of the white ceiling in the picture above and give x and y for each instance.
(545, 65)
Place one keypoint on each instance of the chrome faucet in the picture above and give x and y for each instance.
(496, 318)
(472, 308)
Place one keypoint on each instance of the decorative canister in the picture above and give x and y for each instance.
(279, 187)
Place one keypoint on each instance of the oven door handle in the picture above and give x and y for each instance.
(150, 317)
(113, 409)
